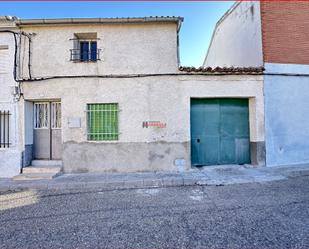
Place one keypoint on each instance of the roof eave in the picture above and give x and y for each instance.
(30, 22)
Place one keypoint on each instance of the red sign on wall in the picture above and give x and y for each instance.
(157, 124)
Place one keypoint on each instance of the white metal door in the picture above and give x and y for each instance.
(47, 130)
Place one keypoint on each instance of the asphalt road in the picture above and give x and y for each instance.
(268, 215)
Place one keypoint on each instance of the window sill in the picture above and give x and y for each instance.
(77, 61)
(103, 141)
(11, 147)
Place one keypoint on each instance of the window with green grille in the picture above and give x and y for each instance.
(102, 122)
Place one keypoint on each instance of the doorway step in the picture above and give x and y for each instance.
(40, 170)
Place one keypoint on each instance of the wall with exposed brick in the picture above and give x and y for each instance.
(285, 33)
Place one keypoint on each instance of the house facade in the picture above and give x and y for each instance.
(273, 35)
(109, 95)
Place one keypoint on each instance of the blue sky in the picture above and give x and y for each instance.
(200, 18)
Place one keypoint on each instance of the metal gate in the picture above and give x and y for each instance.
(219, 131)
(47, 130)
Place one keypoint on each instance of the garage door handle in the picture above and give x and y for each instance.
(198, 140)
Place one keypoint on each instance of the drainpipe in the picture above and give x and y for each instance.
(178, 30)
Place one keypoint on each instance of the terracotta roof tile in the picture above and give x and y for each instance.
(223, 70)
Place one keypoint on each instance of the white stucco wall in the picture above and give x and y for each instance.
(165, 99)
(237, 39)
(286, 114)
(6, 66)
(10, 158)
(126, 48)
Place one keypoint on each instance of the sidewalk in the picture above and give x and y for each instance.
(213, 175)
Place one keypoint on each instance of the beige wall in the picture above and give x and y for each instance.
(125, 49)
(237, 39)
(165, 99)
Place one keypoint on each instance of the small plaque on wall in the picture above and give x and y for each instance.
(157, 124)
(74, 122)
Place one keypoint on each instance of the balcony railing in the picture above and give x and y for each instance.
(78, 55)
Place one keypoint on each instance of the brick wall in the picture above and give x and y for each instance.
(285, 31)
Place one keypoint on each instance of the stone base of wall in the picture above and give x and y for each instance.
(28, 155)
(125, 157)
(257, 150)
(136, 157)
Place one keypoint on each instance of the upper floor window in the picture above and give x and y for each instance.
(88, 50)
(85, 47)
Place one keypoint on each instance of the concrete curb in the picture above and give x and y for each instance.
(209, 177)
(113, 185)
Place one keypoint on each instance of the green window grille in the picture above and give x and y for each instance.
(102, 122)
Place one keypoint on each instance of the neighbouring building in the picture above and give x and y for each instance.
(273, 35)
(109, 95)
(10, 138)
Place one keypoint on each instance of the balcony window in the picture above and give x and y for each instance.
(88, 51)
(85, 48)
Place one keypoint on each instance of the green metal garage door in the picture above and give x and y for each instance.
(219, 131)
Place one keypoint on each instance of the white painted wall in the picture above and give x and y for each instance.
(6, 67)
(286, 114)
(10, 158)
(125, 49)
(237, 39)
(165, 99)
